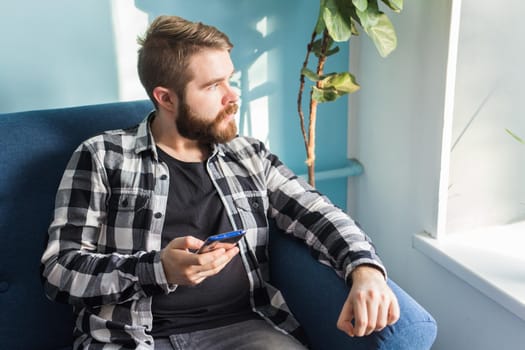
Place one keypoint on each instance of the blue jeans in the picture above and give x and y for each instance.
(247, 335)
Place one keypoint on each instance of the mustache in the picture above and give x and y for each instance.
(232, 108)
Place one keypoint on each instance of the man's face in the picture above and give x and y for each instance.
(207, 109)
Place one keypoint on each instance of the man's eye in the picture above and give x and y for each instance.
(214, 86)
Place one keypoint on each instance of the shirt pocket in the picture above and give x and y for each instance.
(252, 207)
(124, 200)
(128, 220)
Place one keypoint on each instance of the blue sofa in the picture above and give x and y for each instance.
(34, 149)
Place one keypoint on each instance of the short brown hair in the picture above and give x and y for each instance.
(167, 47)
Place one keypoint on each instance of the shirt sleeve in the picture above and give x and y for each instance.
(74, 269)
(332, 235)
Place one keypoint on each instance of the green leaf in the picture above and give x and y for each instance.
(324, 95)
(361, 5)
(343, 83)
(310, 74)
(336, 16)
(395, 5)
(516, 137)
(333, 86)
(332, 51)
(316, 47)
(379, 28)
(320, 25)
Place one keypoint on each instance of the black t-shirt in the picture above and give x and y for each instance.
(194, 208)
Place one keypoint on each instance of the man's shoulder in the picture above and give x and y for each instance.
(111, 139)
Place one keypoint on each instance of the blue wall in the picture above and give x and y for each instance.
(58, 53)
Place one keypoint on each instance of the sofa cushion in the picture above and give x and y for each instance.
(35, 147)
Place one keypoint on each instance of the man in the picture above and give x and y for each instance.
(135, 205)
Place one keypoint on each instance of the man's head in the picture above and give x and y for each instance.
(185, 68)
(167, 47)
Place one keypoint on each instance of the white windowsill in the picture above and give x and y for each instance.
(491, 260)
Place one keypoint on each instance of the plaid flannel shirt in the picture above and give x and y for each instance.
(103, 254)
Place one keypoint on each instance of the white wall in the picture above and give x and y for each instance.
(396, 130)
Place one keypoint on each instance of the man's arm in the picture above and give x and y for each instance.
(336, 240)
(75, 271)
(332, 236)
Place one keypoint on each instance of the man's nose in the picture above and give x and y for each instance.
(231, 96)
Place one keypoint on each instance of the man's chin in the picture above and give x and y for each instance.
(228, 134)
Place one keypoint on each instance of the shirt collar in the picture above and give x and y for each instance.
(144, 139)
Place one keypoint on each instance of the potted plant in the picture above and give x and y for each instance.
(337, 21)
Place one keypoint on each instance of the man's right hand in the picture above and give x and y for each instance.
(183, 267)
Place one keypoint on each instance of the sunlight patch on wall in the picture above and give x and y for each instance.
(258, 72)
(128, 24)
(262, 26)
(258, 126)
(257, 120)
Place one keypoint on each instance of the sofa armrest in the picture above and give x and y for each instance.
(315, 295)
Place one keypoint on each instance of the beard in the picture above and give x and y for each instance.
(195, 127)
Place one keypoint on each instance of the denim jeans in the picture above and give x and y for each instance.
(247, 335)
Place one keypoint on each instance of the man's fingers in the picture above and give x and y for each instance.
(344, 322)
(373, 305)
(219, 259)
(214, 261)
(393, 312)
(185, 243)
(184, 267)
(360, 314)
(382, 317)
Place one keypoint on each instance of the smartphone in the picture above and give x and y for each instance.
(229, 237)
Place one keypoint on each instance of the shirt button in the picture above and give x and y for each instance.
(157, 215)
(163, 177)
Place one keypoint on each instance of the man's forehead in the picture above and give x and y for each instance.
(211, 64)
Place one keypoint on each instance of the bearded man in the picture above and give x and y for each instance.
(135, 205)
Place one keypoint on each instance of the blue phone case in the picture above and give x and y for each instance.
(228, 237)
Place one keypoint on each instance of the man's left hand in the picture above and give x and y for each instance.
(371, 304)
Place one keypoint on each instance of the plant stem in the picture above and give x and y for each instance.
(310, 151)
(301, 91)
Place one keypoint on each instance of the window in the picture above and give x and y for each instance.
(487, 166)
(481, 215)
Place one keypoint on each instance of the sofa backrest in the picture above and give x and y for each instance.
(35, 147)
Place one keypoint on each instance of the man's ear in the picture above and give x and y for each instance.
(166, 98)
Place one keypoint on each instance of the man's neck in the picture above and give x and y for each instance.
(168, 138)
